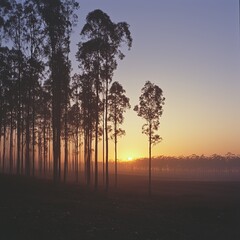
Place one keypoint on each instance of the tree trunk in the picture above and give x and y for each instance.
(40, 165)
(65, 147)
(27, 158)
(4, 147)
(11, 144)
(19, 115)
(22, 147)
(76, 155)
(106, 135)
(88, 158)
(150, 161)
(49, 148)
(33, 134)
(103, 145)
(115, 142)
(44, 145)
(56, 113)
(96, 138)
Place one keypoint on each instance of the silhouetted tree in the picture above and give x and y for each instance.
(112, 36)
(118, 103)
(90, 58)
(15, 29)
(88, 104)
(33, 36)
(58, 17)
(150, 106)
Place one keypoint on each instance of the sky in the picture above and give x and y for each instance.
(191, 50)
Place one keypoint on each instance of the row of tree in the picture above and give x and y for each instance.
(44, 111)
(202, 167)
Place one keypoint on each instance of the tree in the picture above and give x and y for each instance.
(150, 107)
(58, 17)
(33, 36)
(118, 103)
(15, 28)
(99, 56)
(87, 98)
(111, 37)
(90, 57)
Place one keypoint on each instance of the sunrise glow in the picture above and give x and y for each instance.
(119, 119)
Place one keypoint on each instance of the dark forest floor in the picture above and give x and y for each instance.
(38, 209)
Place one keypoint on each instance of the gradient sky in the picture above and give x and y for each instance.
(191, 49)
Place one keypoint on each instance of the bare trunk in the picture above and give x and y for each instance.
(56, 125)
(27, 158)
(65, 147)
(11, 144)
(40, 165)
(4, 147)
(150, 161)
(19, 116)
(103, 147)
(44, 146)
(106, 135)
(49, 148)
(88, 158)
(76, 155)
(115, 150)
(33, 135)
(22, 148)
(96, 141)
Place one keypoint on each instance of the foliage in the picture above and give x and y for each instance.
(150, 107)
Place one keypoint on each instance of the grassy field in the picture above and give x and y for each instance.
(38, 209)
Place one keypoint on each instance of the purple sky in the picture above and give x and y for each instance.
(190, 48)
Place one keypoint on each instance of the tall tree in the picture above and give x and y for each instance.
(58, 17)
(88, 104)
(8, 77)
(150, 108)
(118, 103)
(111, 36)
(90, 59)
(34, 39)
(15, 28)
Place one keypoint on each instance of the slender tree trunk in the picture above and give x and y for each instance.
(49, 148)
(65, 147)
(22, 146)
(150, 161)
(76, 155)
(44, 145)
(40, 165)
(11, 144)
(56, 143)
(106, 135)
(18, 134)
(115, 147)
(85, 155)
(103, 145)
(33, 135)
(88, 158)
(96, 138)
(27, 149)
(1, 163)
(4, 147)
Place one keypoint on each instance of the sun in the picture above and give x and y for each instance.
(129, 158)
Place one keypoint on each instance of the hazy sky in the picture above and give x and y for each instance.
(191, 49)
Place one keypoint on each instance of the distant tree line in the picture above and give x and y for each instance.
(214, 167)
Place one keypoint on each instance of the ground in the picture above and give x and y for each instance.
(39, 209)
